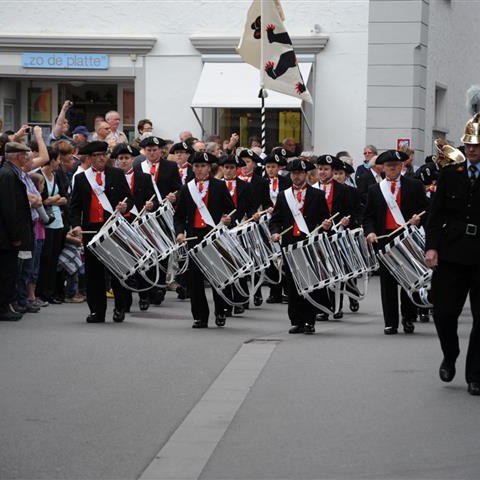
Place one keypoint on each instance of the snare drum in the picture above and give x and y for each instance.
(221, 258)
(250, 239)
(123, 250)
(404, 259)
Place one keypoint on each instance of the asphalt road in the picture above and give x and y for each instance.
(85, 401)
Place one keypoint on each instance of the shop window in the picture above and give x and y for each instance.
(129, 113)
(247, 123)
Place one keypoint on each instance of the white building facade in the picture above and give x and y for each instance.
(378, 70)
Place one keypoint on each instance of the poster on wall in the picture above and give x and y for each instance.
(39, 105)
(403, 143)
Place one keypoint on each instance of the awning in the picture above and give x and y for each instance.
(236, 85)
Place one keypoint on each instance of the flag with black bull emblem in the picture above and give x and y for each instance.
(280, 70)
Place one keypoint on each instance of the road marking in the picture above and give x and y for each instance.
(187, 451)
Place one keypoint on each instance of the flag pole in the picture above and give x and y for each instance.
(262, 84)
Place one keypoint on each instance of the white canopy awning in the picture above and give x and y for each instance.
(236, 85)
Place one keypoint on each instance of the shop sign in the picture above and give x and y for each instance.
(69, 61)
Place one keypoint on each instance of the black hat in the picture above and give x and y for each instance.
(427, 173)
(344, 166)
(250, 154)
(277, 158)
(93, 147)
(181, 147)
(152, 142)
(283, 152)
(202, 157)
(391, 156)
(330, 160)
(124, 149)
(231, 160)
(300, 166)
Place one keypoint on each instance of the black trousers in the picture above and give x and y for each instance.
(198, 298)
(8, 277)
(96, 286)
(300, 311)
(389, 292)
(451, 283)
(47, 277)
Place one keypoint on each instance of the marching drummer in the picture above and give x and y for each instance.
(166, 181)
(97, 193)
(203, 203)
(142, 191)
(392, 203)
(273, 184)
(181, 152)
(299, 210)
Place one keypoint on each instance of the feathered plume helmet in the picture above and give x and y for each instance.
(473, 100)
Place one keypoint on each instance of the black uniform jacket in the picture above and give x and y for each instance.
(341, 201)
(168, 178)
(15, 214)
(256, 184)
(355, 207)
(413, 200)
(219, 203)
(116, 190)
(456, 204)
(283, 184)
(315, 210)
(244, 202)
(364, 182)
(143, 189)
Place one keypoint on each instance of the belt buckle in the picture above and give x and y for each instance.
(471, 229)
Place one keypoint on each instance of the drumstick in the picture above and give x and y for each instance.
(89, 232)
(211, 232)
(285, 231)
(399, 228)
(189, 238)
(337, 224)
(114, 214)
(263, 212)
(165, 199)
(329, 219)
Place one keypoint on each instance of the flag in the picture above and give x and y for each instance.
(280, 70)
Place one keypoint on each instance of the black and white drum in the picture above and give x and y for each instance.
(404, 257)
(124, 251)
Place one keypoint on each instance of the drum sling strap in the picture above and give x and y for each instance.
(202, 208)
(391, 202)
(98, 190)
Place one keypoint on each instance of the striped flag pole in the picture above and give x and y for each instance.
(262, 95)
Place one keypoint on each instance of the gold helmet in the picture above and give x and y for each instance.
(472, 130)
(446, 154)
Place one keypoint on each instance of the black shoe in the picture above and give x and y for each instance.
(199, 324)
(354, 305)
(446, 371)
(10, 316)
(424, 317)
(18, 308)
(308, 329)
(474, 388)
(220, 320)
(321, 317)
(257, 300)
(55, 301)
(32, 308)
(118, 316)
(181, 292)
(143, 304)
(338, 315)
(94, 318)
(228, 312)
(272, 299)
(296, 329)
(158, 297)
(238, 310)
(408, 326)
(390, 331)
(284, 299)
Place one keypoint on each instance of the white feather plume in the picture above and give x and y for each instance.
(473, 99)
